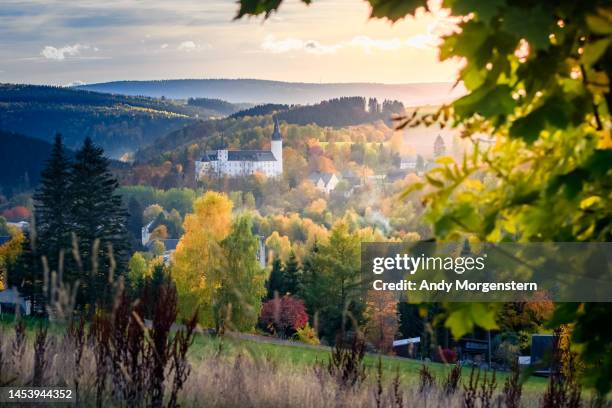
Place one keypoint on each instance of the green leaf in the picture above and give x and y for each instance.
(593, 51)
(256, 7)
(484, 10)
(463, 317)
(533, 24)
(486, 102)
(444, 225)
(600, 163)
(554, 112)
(599, 24)
(395, 9)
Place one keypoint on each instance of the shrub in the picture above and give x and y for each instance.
(507, 353)
(19, 213)
(284, 316)
(448, 356)
(307, 335)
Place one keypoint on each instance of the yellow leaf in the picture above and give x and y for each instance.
(589, 202)
(605, 140)
(445, 160)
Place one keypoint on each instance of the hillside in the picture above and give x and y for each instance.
(21, 161)
(263, 91)
(120, 124)
(243, 129)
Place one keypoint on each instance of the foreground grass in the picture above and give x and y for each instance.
(296, 357)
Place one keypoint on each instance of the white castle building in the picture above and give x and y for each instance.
(236, 163)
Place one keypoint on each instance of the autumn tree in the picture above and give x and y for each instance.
(199, 255)
(9, 254)
(284, 315)
(382, 319)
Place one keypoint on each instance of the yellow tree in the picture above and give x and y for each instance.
(9, 252)
(198, 255)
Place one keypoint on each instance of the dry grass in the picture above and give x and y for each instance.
(221, 379)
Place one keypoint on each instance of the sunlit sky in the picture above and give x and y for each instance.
(69, 41)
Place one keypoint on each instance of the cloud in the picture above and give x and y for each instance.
(60, 54)
(163, 46)
(367, 44)
(187, 46)
(274, 46)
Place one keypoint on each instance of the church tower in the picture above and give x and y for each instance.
(277, 147)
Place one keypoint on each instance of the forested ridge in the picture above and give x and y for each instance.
(120, 124)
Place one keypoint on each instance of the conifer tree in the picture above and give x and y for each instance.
(98, 220)
(51, 202)
(292, 276)
(275, 281)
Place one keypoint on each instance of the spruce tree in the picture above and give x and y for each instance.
(51, 202)
(292, 276)
(275, 280)
(99, 222)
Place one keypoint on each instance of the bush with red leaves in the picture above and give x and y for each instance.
(284, 315)
(448, 356)
(18, 213)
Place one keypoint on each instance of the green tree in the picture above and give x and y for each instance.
(174, 222)
(291, 276)
(275, 280)
(51, 200)
(332, 283)
(158, 248)
(138, 269)
(537, 79)
(99, 222)
(241, 280)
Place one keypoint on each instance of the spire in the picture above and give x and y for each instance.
(276, 135)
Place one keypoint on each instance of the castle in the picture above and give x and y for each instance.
(237, 163)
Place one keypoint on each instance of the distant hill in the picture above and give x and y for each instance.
(120, 124)
(338, 112)
(21, 161)
(263, 91)
(260, 110)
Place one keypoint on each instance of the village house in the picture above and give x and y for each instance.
(323, 181)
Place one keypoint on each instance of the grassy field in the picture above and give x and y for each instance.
(296, 357)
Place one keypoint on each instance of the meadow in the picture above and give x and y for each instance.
(245, 370)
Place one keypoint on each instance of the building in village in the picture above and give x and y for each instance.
(240, 163)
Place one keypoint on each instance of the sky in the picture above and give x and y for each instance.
(63, 42)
